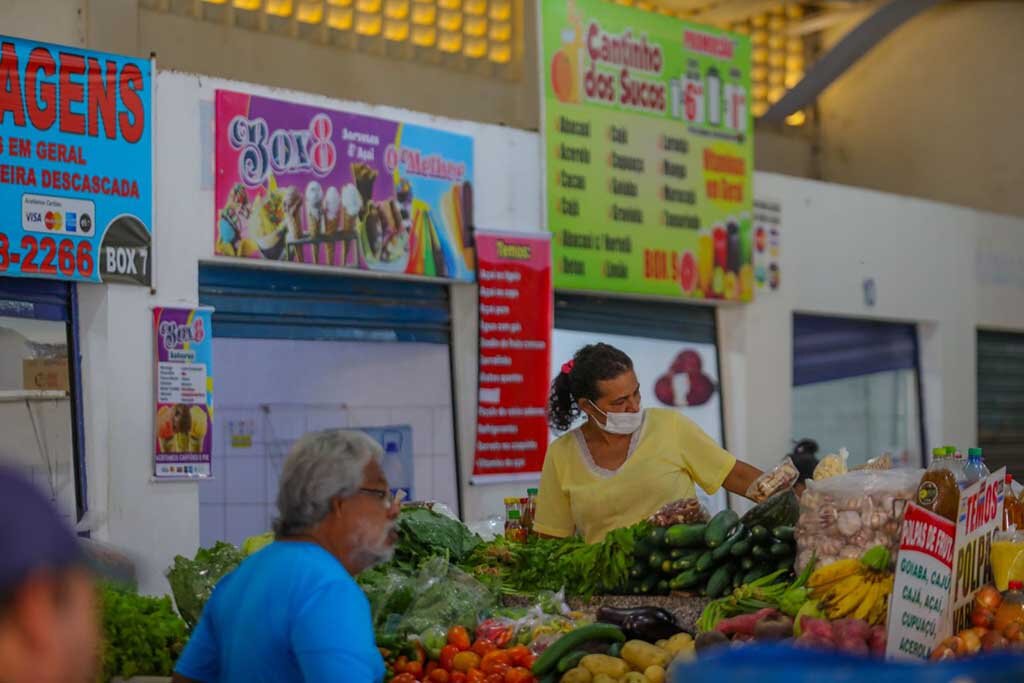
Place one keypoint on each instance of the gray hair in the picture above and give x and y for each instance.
(320, 467)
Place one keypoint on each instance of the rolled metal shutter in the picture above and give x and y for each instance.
(1001, 400)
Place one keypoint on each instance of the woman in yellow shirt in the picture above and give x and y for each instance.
(623, 463)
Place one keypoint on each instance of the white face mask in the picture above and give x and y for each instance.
(620, 423)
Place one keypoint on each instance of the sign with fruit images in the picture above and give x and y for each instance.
(649, 153)
(321, 187)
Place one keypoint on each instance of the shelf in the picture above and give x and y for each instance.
(22, 395)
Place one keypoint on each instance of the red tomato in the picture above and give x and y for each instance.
(448, 653)
(416, 669)
(495, 662)
(520, 655)
(464, 661)
(459, 637)
(404, 678)
(400, 664)
(495, 678)
(475, 676)
(439, 676)
(457, 677)
(429, 668)
(518, 674)
(421, 654)
(482, 647)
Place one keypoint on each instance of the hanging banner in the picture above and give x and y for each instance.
(919, 606)
(981, 516)
(649, 151)
(184, 392)
(516, 317)
(76, 164)
(309, 185)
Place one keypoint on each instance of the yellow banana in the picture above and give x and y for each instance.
(869, 601)
(839, 589)
(880, 612)
(834, 572)
(849, 602)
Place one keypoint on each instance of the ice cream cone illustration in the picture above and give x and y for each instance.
(164, 428)
(352, 206)
(197, 432)
(181, 421)
(293, 217)
(332, 221)
(364, 177)
(314, 214)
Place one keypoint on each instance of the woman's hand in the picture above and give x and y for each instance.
(740, 478)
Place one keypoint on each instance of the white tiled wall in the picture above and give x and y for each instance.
(282, 389)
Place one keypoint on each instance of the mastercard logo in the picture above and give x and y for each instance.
(53, 220)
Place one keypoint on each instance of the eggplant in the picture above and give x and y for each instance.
(618, 615)
(650, 627)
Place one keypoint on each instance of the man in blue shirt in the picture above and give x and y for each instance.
(292, 611)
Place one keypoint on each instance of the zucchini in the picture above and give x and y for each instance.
(655, 560)
(683, 563)
(720, 580)
(642, 549)
(785, 563)
(755, 574)
(656, 537)
(705, 562)
(737, 579)
(782, 509)
(747, 563)
(687, 579)
(548, 660)
(662, 587)
(759, 552)
(649, 585)
(666, 567)
(719, 527)
(685, 535)
(759, 533)
(742, 548)
(784, 533)
(637, 572)
(781, 549)
(676, 553)
(571, 660)
(722, 551)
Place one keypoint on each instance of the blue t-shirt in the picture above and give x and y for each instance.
(288, 613)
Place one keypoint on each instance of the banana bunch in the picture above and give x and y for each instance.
(856, 588)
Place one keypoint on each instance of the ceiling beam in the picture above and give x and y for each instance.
(844, 54)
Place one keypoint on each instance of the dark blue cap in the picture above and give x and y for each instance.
(32, 534)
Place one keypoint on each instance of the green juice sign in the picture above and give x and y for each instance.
(649, 153)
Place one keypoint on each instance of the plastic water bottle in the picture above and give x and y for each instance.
(975, 469)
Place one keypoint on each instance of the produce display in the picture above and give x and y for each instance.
(998, 625)
(855, 587)
(142, 635)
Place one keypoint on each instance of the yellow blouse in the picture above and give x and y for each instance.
(666, 456)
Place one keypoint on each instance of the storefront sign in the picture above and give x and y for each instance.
(76, 164)
(310, 185)
(184, 392)
(516, 318)
(649, 149)
(919, 607)
(981, 516)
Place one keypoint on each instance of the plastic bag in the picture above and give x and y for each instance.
(844, 516)
(832, 465)
(682, 511)
(780, 478)
(389, 592)
(446, 596)
(192, 581)
(1007, 557)
(882, 462)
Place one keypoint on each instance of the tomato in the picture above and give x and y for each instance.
(448, 653)
(457, 677)
(404, 678)
(429, 668)
(400, 664)
(495, 662)
(521, 656)
(475, 676)
(495, 678)
(416, 669)
(464, 661)
(518, 674)
(439, 676)
(459, 637)
(421, 654)
(482, 647)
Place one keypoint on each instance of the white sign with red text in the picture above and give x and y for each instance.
(980, 517)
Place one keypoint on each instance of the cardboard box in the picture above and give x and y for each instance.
(47, 374)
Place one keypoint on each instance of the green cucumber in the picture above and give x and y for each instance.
(747, 563)
(784, 533)
(705, 562)
(662, 588)
(666, 567)
(685, 535)
(571, 660)
(779, 510)
(676, 553)
(755, 574)
(687, 579)
(742, 548)
(785, 563)
(548, 660)
(759, 533)
(720, 580)
(781, 549)
(759, 552)
(682, 564)
(737, 579)
(719, 527)
(722, 551)
(655, 560)
(656, 537)
(642, 549)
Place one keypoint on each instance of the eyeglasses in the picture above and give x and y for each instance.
(386, 498)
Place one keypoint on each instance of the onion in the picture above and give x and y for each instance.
(989, 598)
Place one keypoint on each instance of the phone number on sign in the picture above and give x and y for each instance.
(47, 256)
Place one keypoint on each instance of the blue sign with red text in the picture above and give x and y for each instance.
(76, 164)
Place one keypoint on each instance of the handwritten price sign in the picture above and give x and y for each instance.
(981, 514)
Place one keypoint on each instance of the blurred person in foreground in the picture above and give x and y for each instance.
(292, 611)
(49, 625)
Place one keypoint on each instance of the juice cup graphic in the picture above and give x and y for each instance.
(705, 261)
(721, 247)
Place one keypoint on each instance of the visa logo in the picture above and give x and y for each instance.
(34, 217)
(71, 221)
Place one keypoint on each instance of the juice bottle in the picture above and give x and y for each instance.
(975, 470)
(939, 490)
(1011, 505)
(524, 513)
(1007, 558)
(955, 463)
(531, 495)
(1012, 609)
(510, 507)
(514, 528)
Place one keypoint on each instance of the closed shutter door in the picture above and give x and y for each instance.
(265, 304)
(652, 319)
(37, 299)
(1001, 400)
(826, 349)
